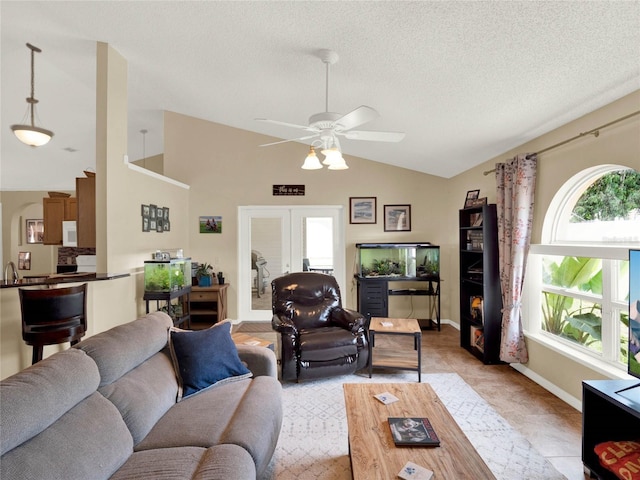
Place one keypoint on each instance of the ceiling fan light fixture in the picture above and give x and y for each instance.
(311, 162)
(30, 134)
(339, 164)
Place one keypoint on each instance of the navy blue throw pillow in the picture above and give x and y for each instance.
(204, 358)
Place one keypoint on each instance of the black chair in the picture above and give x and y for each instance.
(319, 338)
(53, 316)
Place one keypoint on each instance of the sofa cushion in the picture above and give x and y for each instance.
(90, 441)
(67, 378)
(144, 394)
(221, 462)
(246, 413)
(204, 358)
(126, 346)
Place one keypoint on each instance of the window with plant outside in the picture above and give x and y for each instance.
(583, 266)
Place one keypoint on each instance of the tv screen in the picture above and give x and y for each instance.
(634, 313)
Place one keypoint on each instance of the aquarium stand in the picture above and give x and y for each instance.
(374, 293)
(184, 317)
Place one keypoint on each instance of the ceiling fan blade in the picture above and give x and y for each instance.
(291, 140)
(284, 124)
(374, 136)
(357, 117)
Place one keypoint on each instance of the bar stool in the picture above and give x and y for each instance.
(53, 316)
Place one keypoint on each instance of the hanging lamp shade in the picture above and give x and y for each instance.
(312, 162)
(339, 164)
(29, 134)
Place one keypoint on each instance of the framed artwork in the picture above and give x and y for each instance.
(144, 210)
(472, 195)
(153, 224)
(159, 225)
(24, 261)
(160, 212)
(397, 218)
(362, 210)
(166, 225)
(35, 230)
(165, 213)
(152, 212)
(478, 202)
(210, 224)
(145, 224)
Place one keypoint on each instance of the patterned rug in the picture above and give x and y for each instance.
(313, 443)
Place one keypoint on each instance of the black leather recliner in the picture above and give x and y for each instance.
(319, 338)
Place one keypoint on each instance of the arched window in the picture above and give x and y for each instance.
(580, 281)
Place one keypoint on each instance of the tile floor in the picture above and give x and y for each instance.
(552, 426)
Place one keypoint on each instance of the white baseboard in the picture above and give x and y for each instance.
(547, 385)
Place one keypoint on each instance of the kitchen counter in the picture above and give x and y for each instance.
(57, 278)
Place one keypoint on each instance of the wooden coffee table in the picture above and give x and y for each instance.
(387, 358)
(372, 451)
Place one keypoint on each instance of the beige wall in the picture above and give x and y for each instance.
(228, 169)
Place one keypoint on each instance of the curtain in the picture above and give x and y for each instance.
(516, 181)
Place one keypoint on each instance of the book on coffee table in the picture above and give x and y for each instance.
(413, 432)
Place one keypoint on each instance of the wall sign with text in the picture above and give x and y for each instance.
(291, 190)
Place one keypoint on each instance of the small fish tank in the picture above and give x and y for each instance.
(167, 275)
(408, 260)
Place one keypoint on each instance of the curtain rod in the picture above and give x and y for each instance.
(595, 132)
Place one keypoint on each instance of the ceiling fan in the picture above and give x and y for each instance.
(326, 126)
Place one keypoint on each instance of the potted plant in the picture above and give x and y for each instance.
(204, 274)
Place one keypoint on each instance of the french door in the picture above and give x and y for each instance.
(274, 241)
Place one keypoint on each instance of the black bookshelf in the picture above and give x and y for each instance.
(480, 297)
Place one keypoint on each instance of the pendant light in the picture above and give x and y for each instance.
(30, 134)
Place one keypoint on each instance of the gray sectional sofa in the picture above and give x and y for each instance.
(108, 408)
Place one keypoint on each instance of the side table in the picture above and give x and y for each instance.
(209, 304)
(389, 358)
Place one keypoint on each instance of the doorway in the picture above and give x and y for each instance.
(278, 240)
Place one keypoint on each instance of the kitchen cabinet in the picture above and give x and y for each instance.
(81, 208)
(86, 211)
(55, 211)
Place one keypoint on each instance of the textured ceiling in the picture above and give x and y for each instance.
(466, 81)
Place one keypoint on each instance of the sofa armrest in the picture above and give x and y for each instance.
(260, 360)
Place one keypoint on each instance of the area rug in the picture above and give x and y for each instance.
(313, 443)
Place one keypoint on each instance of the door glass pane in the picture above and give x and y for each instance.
(318, 244)
(266, 259)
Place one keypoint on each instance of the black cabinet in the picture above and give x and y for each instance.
(373, 297)
(608, 414)
(480, 293)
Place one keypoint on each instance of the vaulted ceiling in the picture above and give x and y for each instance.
(466, 81)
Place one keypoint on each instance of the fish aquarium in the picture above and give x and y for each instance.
(167, 275)
(408, 260)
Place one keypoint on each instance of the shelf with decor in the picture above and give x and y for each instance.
(480, 296)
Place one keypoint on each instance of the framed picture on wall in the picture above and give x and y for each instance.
(362, 210)
(472, 196)
(397, 218)
(210, 224)
(24, 261)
